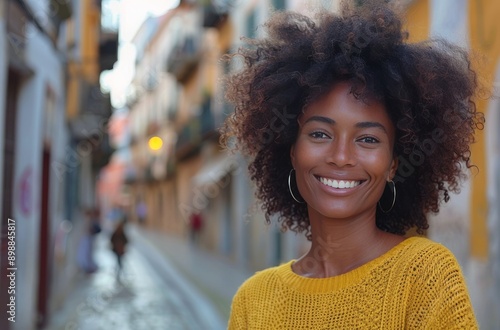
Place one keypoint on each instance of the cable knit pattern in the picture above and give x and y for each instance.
(418, 284)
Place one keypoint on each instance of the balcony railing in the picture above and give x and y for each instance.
(195, 131)
(207, 122)
(184, 58)
(17, 19)
(215, 12)
(89, 128)
(60, 11)
(94, 101)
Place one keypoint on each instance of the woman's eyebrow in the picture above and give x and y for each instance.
(370, 124)
(363, 124)
(320, 119)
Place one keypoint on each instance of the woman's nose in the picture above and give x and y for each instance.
(341, 153)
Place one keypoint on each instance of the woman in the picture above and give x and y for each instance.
(355, 135)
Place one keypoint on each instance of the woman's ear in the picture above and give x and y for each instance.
(292, 155)
(394, 167)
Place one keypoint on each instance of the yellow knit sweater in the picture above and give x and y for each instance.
(418, 284)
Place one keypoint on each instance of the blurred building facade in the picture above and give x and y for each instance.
(470, 223)
(177, 95)
(49, 66)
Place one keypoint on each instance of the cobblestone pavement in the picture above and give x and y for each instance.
(139, 299)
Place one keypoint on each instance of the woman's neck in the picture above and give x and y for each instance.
(339, 246)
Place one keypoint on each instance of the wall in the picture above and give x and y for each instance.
(469, 224)
(485, 246)
(187, 195)
(43, 60)
(490, 273)
(64, 270)
(452, 226)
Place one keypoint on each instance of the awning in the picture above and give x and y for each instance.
(215, 170)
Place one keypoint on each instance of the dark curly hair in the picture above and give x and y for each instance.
(427, 89)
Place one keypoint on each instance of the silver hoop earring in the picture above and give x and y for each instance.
(393, 198)
(290, 187)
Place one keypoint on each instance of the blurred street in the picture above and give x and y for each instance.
(150, 294)
(110, 113)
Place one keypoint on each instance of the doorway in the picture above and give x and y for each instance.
(43, 273)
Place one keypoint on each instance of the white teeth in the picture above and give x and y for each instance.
(341, 184)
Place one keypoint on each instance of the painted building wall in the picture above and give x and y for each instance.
(470, 223)
(429, 19)
(64, 270)
(492, 136)
(31, 128)
(484, 267)
(41, 125)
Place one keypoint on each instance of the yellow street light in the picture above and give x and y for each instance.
(155, 143)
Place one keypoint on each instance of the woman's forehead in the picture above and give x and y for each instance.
(341, 97)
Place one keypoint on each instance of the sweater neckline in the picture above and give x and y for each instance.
(328, 284)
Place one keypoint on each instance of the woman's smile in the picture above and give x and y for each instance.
(339, 184)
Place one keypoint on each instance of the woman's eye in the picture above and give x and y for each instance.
(369, 139)
(318, 135)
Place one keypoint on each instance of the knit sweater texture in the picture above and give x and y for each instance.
(418, 284)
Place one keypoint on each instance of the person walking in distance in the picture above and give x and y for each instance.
(195, 226)
(119, 242)
(330, 110)
(141, 211)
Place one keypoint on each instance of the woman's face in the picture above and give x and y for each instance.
(343, 155)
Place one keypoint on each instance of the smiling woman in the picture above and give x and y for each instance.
(360, 104)
(343, 155)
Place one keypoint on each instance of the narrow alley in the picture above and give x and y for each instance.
(139, 112)
(144, 296)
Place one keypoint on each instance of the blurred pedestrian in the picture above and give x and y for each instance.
(332, 110)
(195, 226)
(141, 211)
(119, 243)
(94, 216)
(85, 251)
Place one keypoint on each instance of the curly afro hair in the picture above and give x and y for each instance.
(427, 89)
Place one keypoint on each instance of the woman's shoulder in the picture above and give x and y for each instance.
(418, 245)
(424, 255)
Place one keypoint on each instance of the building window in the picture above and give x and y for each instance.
(251, 24)
(279, 4)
